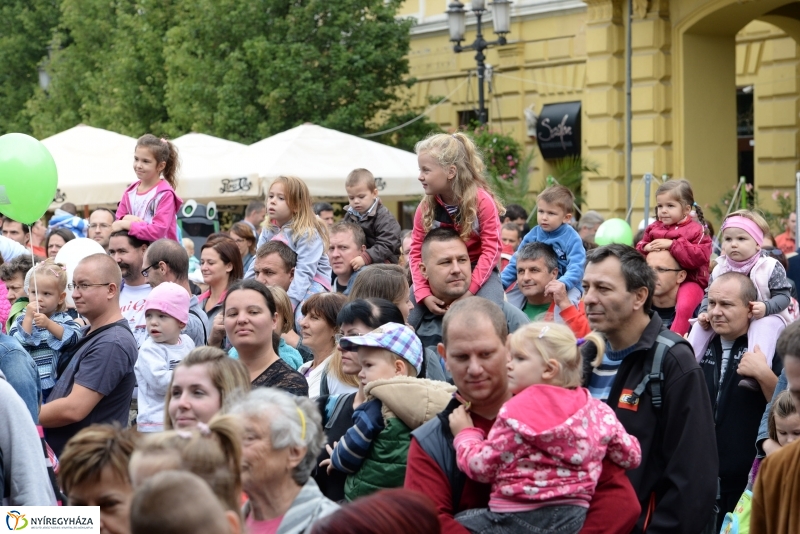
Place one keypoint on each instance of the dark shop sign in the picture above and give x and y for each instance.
(558, 130)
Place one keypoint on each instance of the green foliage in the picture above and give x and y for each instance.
(238, 70)
(569, 172)
(406, 137)
(776, 220)
(27, 30)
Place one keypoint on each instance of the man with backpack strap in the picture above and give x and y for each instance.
(651, 379)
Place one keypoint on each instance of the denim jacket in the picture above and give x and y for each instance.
(21, 373)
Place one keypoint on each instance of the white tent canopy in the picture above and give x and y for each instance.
(94, 165)
(323, 158)
(205, 173)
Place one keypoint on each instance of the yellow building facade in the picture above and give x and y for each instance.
(689, 58)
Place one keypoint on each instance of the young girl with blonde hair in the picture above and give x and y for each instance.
(544, 453)
(292, 221)
(457, 196)
(44, 328)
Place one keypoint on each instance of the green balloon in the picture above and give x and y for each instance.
(614, 231)
(28, 178)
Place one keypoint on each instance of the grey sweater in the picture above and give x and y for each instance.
(24, 464)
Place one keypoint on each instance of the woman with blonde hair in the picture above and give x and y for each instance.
(202, 383)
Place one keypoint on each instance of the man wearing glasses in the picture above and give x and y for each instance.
(669, 276)
(96, 378)
(100, 222)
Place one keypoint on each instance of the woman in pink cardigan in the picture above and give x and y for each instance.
(544, 453)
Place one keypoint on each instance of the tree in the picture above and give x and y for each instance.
(247, 70)
(408, 133)
(28, 26)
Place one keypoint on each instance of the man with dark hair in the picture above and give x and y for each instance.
(516, 214)
(128, 251)
(650, 378)
(669, 275)
(167, 261)
(100, 222)
(324, 211)
(737, 410)
(445, 264)
(254, 215)
(537, 266)
(21, 233)
(774, 505)
(474, 349)
(347, 241)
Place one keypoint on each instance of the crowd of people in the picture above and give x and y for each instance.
(470, 374)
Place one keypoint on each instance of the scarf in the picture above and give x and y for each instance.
(743, 267)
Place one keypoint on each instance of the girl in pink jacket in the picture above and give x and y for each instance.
(677, 232)
(544, 453)
(149, 207)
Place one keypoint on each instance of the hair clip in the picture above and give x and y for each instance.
(203, 428)
(543, 331)
(302, 423)
(580, 341)
(184, 434)
(163, 140)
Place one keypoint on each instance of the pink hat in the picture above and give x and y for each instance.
(169, 298)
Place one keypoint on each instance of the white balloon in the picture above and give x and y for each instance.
(72, 253)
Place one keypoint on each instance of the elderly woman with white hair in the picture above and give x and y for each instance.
(282, 439)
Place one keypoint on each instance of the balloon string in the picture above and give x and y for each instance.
(35, 288)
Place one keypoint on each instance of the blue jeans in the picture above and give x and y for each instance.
(547, 520)
(21, 373)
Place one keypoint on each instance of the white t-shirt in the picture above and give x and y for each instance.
(314, 379)
(140, 201)
(131, 305)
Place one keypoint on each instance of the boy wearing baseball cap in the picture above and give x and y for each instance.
(166, 314)
(373, 452)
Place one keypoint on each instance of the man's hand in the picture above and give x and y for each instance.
(436, 306)
(459, 420)
(758, 309)
(357, 263)
(753, 364)
(703, 321)
(217, 331)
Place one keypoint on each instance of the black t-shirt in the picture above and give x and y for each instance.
(103, 362)
(667, 315)
(280, 375)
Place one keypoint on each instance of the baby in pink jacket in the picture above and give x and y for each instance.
(544, 454)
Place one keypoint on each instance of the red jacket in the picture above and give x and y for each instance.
(614, 508)
(691, 247)
(483, 245)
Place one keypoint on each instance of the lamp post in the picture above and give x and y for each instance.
(457, 23)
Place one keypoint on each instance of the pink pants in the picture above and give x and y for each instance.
(763, 332)
(690, 295)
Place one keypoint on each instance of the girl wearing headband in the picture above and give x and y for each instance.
(677, 232)
(742, 237)
(544, 453)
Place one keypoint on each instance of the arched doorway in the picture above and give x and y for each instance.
(705, 118)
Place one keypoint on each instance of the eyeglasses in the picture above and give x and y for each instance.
(98, 226)
(84, 287)
(146, 271)
(662, 270)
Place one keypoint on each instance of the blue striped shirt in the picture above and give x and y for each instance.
(603, 375)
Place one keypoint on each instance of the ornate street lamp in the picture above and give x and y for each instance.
(457, 24)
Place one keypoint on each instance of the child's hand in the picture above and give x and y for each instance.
(703, 321)
(118, 226)
(459, 420)
(753, 364)
(758, 309)
(328, 464)
(435, 305)
(40, 320)
(357, 263)
(648, 247)
(132, 218)
(217, 331)
(660, 244)
(31, 309)
(554, 286)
